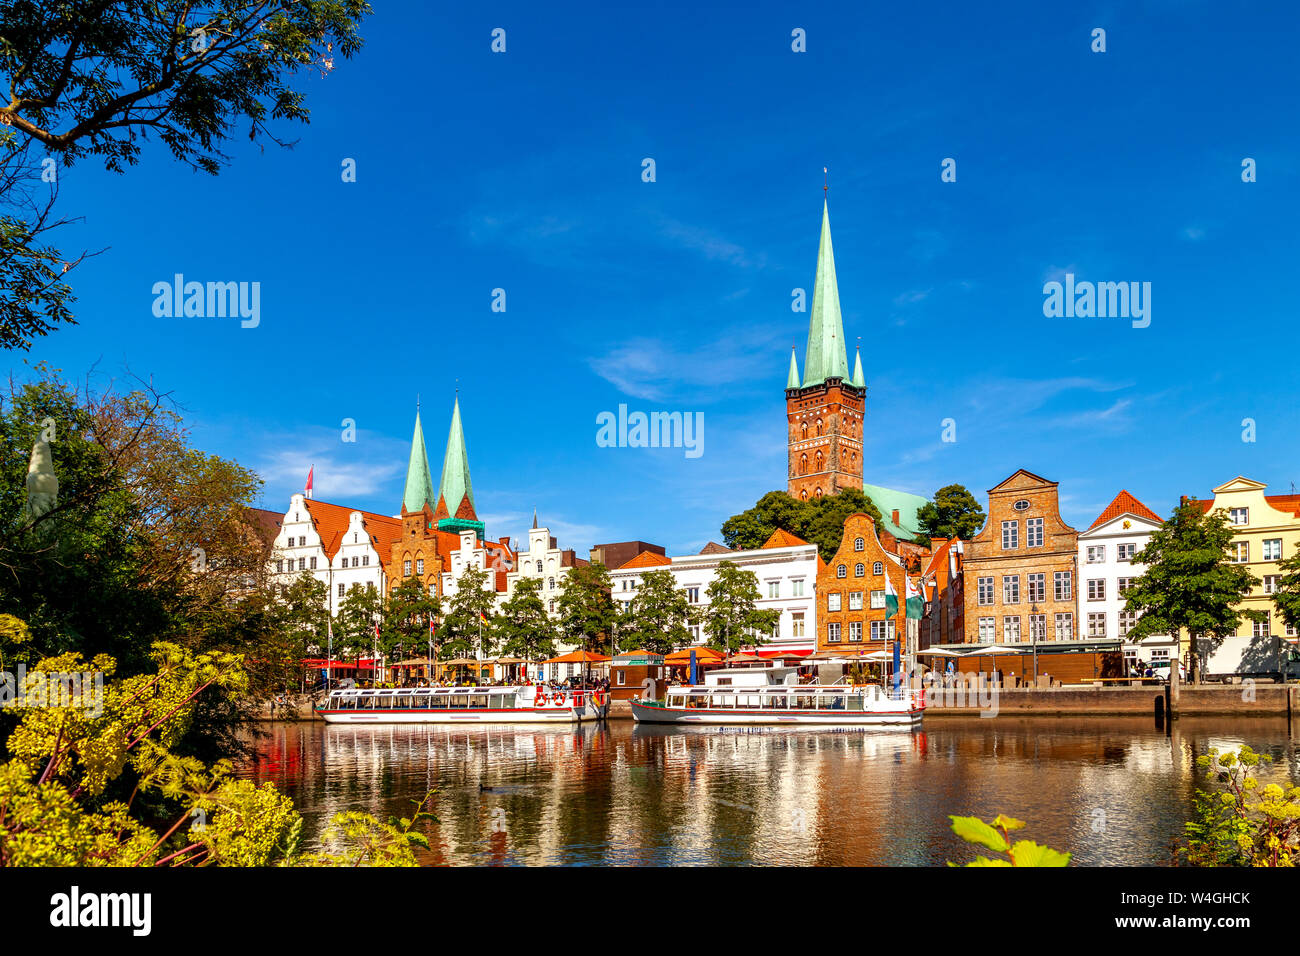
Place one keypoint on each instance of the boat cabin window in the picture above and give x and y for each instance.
(677, 700)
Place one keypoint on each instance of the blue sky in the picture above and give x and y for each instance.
(522, 171)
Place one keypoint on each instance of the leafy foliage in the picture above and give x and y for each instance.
(658, 616)
(996, 836)
(525, 628)
(732, 616)
(953, 513)
(586, 608)
(819, 521)
(1243, 824)
(1189, 583)
(407, 613)
(465, 629)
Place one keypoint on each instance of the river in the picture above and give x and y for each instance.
(1110, 791)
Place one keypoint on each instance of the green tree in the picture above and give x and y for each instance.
(466, 631)
(524, 628)
(407, 613)
(586, 608)
(100, 78)
(1189, 583)
(732, 616)
(306, 616)
(658, 617)
(354, 625)
(819, 521)
(1286, 598)
(953, 513)
(1243, 824)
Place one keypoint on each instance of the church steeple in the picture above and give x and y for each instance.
(792, 380)
(826, 356)
(419, 482)
(857, 379)
(455, 488)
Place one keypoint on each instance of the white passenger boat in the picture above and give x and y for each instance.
(521, 704)
(771, 695)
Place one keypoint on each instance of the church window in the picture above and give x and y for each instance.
(803, 494)
(819, 426)
(419, 565)
(859, 544)
(818, 492)
(803, 430)
(803, 467)
(842, 571)
(406, 569)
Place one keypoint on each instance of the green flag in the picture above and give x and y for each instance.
(891, 597)
(915, 603)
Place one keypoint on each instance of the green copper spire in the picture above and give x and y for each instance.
(454, 486)
(857, 379)
(419, 483)
(826, 356)
(792, 381)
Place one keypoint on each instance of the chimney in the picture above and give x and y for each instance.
(895, 513)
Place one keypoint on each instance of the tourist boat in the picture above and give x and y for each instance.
(520, 704)
(771, 695)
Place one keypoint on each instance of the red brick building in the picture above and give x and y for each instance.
(852, 589)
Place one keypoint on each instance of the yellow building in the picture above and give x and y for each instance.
(1266, 530)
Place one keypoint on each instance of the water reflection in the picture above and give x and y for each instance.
(1111, 791)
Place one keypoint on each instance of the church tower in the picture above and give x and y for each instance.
(825, 409)
(455, 509)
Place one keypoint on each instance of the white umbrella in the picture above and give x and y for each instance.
(939, 652)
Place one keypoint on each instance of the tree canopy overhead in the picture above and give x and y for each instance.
(819, 521)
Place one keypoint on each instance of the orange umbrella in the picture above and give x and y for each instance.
(578, 657)
(703, 655)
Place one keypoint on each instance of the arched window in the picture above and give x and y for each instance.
(818, 492)
(803, 430)
(803, 494)
(819, 461)
(859, 570)
(803, 465)
(877, 568)
(841, 571)
(539, 567)
(550, 584)
(859, 544)
(819, 426)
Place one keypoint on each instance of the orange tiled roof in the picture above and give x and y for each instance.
(1125, 503)
(646, 559)
(331, 522)
(1287, 503)
(783, 539)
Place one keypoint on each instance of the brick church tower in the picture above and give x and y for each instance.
(825, 410)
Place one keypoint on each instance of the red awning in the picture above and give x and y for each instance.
(784, 652)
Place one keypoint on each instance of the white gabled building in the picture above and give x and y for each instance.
(786, 568)
(1105, 570)
(341, 547)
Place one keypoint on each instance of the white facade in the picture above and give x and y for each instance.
(545, 560)
(787, 579)
(299, 548)
(1104, 572)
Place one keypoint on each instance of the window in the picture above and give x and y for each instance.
(302, 541)
(988, 633)
(855, 631)
(1272, 549)
(279, 566)
(855, 600)
(1063, 585)
(1123, 586)
(1065, 626)
(877, 568)
(859, 544)
(302, 564)
(1011, 629)
(365, 560)
(841, 571)
(1096, 623)
(774, 589)
(832, 633)
(796, 588)
(877, 599)
(552, 606)
(1010, 535)
(1010, 589)
(1260, 628)
(1036, 587)
(1038, 627)
(1126, 621)
(796, 624)
(1238, 516)
(984, 590)
(1034, 532)
(1096, 589)
(859, 570)
(550, 584)
(419, 565)
(1022, 505)
(693, 595)
(1239, 552)
(406, 569)
(1096, 554)
(1125, 552)
(833, 601)
(1270, 583)
(539, 567)
(340, 590)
